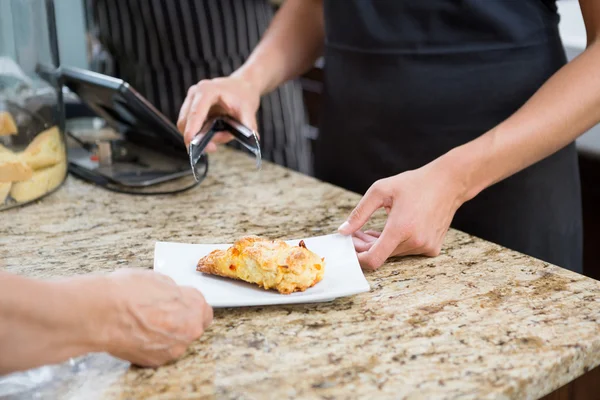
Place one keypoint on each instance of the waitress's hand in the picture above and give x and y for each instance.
(149, 320)
(232, 96)
(420, 205)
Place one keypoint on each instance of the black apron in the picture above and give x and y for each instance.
(408, 80)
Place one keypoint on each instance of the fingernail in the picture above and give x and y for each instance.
(343, 229)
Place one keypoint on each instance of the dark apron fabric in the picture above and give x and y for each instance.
(408, 80)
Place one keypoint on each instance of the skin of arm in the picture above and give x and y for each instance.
(45, 322)
(566, 106)
(136, 315)
(289, 47)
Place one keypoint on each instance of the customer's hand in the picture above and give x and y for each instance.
(420, 205)
(231, 96)
(150, 320)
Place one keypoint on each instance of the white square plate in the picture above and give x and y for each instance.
(343, 275)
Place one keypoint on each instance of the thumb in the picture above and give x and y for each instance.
(385, 244)
(198, 112)
(371, 201)
(248, 118)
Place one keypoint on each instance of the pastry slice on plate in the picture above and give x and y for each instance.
(270, 264)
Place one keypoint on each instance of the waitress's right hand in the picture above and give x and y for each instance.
(148, 319)
(232, 96)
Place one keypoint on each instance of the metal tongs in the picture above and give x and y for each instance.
(241, 133)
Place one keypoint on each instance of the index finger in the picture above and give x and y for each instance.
(370, 202)
(197, 114)
(200, 310)
(205, 308)
(183, 113)
(392, 236)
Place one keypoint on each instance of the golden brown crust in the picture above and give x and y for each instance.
(13, 169)
(42, 181)
(7, 124)
(271, 264)
(4, 191)
(45, 150)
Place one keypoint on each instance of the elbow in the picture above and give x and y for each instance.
(592, 41)
(593, 36)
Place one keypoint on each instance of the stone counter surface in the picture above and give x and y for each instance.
(477, 322)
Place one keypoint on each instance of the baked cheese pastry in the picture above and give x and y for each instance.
(45, 150)
(12, 168)
(4, 191)
(271, 264)
(7, 124)
(4, 152)
(42, 181)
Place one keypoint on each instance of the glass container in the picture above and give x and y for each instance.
(33, 158)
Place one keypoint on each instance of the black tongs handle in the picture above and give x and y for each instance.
(200, 142)
(240, 132)
(247, 137)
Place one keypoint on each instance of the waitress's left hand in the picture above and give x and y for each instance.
(420, 205)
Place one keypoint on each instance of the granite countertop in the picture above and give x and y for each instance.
(479, 321)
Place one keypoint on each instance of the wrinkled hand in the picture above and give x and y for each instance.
(231, 96)
(420, 205)
(151, 320)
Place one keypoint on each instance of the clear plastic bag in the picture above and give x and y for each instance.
(85, 377)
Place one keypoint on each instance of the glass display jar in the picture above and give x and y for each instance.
(33, 157)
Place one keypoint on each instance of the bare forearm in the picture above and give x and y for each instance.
(290, 46)
(44, 322)
(566, 106)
